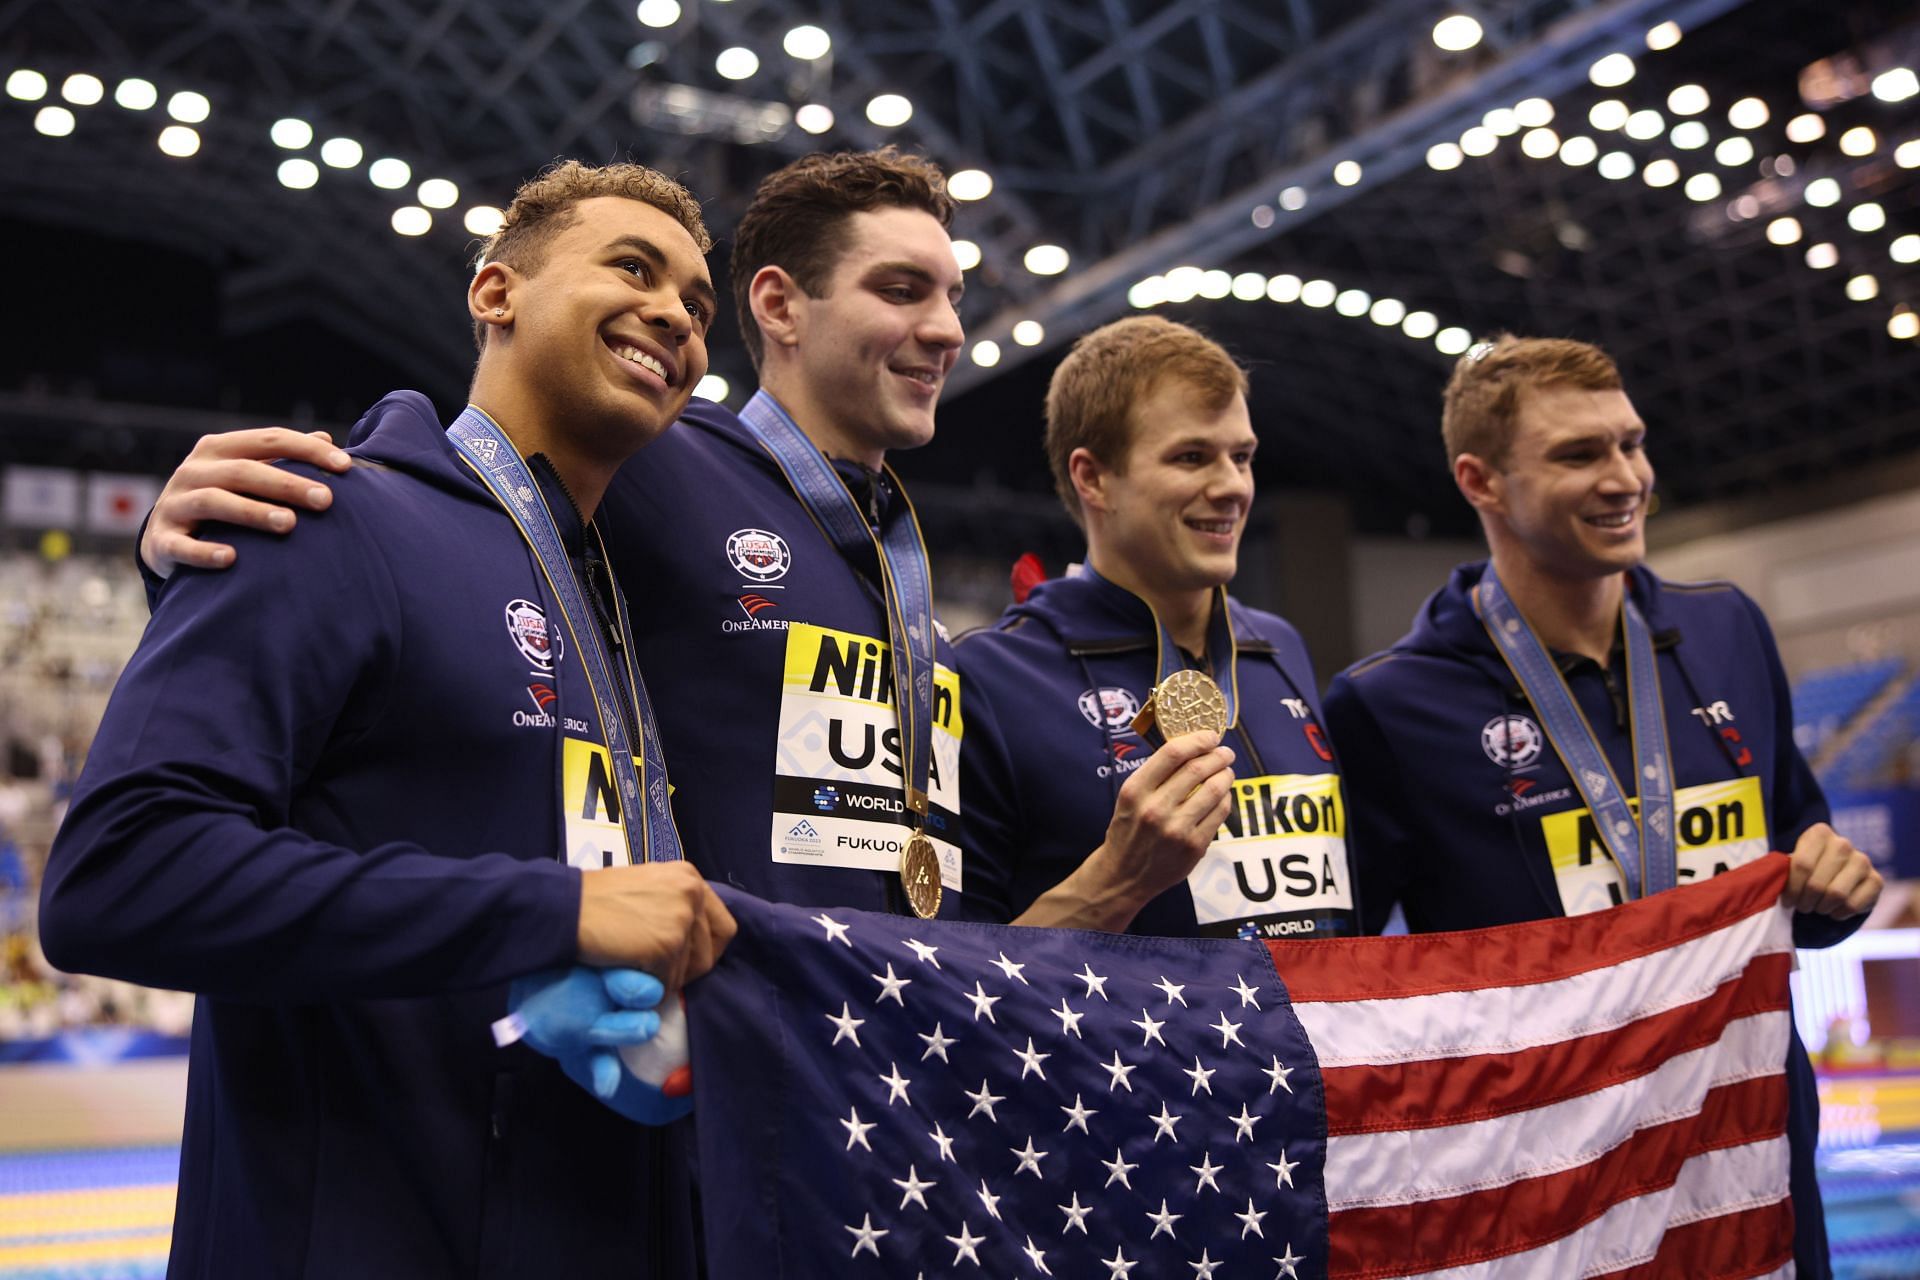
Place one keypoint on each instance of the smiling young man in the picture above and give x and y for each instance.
(777, 564)
(1486, 752)
(337, 794)
(1090, 823)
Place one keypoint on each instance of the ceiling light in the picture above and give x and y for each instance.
(1262, 216)
(1502, 121)
(889, 110)
(1806, 128)
(1858, 141)
(1579, 151)
(1183, 283)
(26, 85)
(340, 153)
(1751, 113)
(82, 90)
(1895, 85)
(1215, 284)
(1352, 302)
(438, 193)
(1689, 135)
(1688, 100)
(1616, 165)
(298, 174)
(189, 107)
(412, 220)
(1903, 324)
(1150, 292)
(1029, 333)
(1907, 154)
(1540, 144)
(1318, 293)
(1661, 173)
(1533, 112)
(1456, 32)
(806, 43)
(1249, 286)
(1745, 208)
(967, 254)
(291, 134)
(1905, 249)
(485, 219)
(970, 184)
(1823, 255)
(737, 62)
(1702, 187)
(658, 13)
(1866, 218)
(1863, 288)
(388, 174)
(54, 122)
(712, 387)
(1045, 260)
(1733, 151)
(136, 94)
(1608, 114)
(1444, 156)
(1284, 288)
(1293, 198)
(1452, 341)
(1784, 231)
(814, 117)
(986, 354)
(179, 141)
(1664, 36)
(1346, 173)
(1611, 71)
(1479, 141)
(1387, 312)
(1420, 325)
(1645, 125)
(1822, 193)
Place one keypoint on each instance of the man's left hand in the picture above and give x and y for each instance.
(1829, 877)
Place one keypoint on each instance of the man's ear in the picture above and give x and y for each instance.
(1479, 482)
(490, 296)
(1089, 476)
(779, 306)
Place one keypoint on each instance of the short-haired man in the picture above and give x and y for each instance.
(1562, 730)
(776, 562)
(1151, 447)
(321, 799)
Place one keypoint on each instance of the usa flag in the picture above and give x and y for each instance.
(1599, 1096)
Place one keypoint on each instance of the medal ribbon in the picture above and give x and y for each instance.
(1643, 849)
(1222, 649)
(906, 580)
(486, 448)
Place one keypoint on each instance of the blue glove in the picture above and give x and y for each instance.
(593, 1022)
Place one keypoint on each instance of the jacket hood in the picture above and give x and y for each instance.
(403, 431)
(1447, 625)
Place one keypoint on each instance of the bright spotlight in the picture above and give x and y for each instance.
(1346, 173)
(189, 107)
(1702, 187)
(1822, 193)
(1895, 85)
(1822, 256)
(54, 122)
(1045, 260)
(1150, 292)
(1353, 302)
(1284, 288)
(1689, 135)
(1579, 151)
(1616, 165)
(1249, 286)
(1645, 125)
(1444, 156)
(1751, 113)
(1532, 113)
(1905, 249)
(1664, 36)
(970, 184)
(967, 254)
(814, 117)
(136, 94)
(1420, 325)
(1608, 114)
(1866, 218)
(484, 220)
(1858, 141)
(1907, 154)
(438, 193)
(889, 110)
(1293, 199)
(388, 173)
(1029, 333)
(1733, 151)
(1688, 100)
(807, 43)
(290, 134)
(986, 354)
(412, 220)
(737, 62)
(1611, 71)
(26, 85)
(1540, 144)
(1387, 312)
(1783, 231)
(340, 153)
(1318, 293)
(82, 90)
(712, 387)
(1863, 288)
(1661, 173)
(1479, 141)
(1452, 341)
(658, 13)
(1456, 33)
(1504, 121)
(179, 141)
(298, 173)
(1903, 324)
(1215, 285)
(1806, 128)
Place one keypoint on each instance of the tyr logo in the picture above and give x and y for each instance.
(1297, 706)
(1714, 713)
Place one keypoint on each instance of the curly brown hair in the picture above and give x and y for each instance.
(1481, 405)
(545, 205)
(798, 218)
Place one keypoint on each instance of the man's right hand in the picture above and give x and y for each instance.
(660, 917)
(214, 483)
(1168, 812)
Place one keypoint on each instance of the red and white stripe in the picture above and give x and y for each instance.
(1602, 1096)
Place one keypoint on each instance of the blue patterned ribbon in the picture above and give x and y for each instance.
(1223, 651)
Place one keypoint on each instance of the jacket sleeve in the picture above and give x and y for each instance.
(1798, 802)
(178, 864)
(1380, 842)
(988, 797)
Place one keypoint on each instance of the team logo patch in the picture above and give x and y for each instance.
(1512, 742)
(758, 554)
(527, 628)
(1117, 706)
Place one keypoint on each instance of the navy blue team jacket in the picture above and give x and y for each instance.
(719, 559)
(1460, 805)
(1051, 691)
(323, 796)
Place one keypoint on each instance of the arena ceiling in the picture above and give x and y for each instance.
(1153, 142)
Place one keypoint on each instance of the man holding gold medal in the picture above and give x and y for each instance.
(1136, 698)
(1562, 730)
(339, 792)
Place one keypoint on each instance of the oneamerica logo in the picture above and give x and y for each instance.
(1512, 741)
(527, 628)
(758, 555)
(1117, 706)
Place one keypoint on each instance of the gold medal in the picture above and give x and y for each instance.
(1185, 702)
(920, 875)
